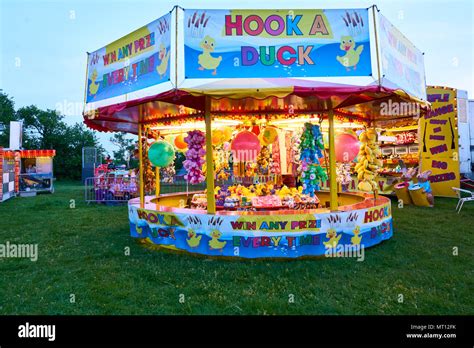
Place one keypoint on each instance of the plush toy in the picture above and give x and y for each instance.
(295, 153)
(263, 160)
(407, 175)
(311, 171)
(194, 157)
(343, 172)
(368, 163)
(148, 173)
(221, 163)
(167, 173)
(424, 183)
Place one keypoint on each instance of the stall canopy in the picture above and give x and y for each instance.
(270, 62)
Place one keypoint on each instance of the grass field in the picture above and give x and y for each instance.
(82, 252)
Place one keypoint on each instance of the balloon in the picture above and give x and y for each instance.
(227, 133)
(161, 153)
(245, 146)
(347, 147)
(180, 143)
(269, 135)
(217, 137)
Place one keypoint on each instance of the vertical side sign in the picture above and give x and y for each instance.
(439, 145)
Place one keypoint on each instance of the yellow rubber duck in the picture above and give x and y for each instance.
(194, 239)
(356, 239)
(214, 243)
(93, 87)
(205, 60)
(352, 56)
(333, 238)
(164, 57)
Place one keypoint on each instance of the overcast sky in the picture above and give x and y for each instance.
(44, 43)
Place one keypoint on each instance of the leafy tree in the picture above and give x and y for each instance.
(126, 147)
(68, 161)
(45, 129)
(7, 114)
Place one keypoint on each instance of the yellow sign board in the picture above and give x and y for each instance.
(439, 145)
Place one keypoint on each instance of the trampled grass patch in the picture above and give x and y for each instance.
(82, 254)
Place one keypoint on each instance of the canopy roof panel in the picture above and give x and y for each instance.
(275, 63)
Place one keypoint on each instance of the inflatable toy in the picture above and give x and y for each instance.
(161, 153)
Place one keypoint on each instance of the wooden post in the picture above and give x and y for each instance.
(211, 201)
(332, 164)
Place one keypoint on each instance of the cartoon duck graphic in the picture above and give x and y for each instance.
(164, 56)
(215, 243)
(333, 238)
(205, 60)
(93, 87)
(194, 239)
(352, 56)
(139, 229)
(356, 239)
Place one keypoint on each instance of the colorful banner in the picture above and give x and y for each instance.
(253, 236)
(276, 43)
(136, 61)
(385, 184)
(402, 63)
(439, 145)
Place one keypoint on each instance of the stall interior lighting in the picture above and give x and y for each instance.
(216, 123)
(298, 123)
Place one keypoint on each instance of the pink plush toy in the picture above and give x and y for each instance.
(407, 175)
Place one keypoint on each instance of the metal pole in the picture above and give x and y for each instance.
(332, 163)
(157, 182)
(376, 46)
(211, 201)
(140, 159)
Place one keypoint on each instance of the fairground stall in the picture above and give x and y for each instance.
(26, 172)
(9, 174)
(266, 106)
(36, 171)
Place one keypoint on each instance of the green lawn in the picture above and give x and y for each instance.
(81, 252)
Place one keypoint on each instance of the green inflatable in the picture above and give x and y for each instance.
(161, 153)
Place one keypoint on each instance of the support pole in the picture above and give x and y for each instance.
(140, 159)
(157, 182)
(332, 163)
(376, 46)
(211, 201)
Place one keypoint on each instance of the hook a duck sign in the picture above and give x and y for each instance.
(276, 43)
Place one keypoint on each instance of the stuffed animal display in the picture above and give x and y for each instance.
(310, 151)
(194, 157)
(368, 163)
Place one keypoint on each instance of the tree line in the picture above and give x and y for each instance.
(46, 129)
